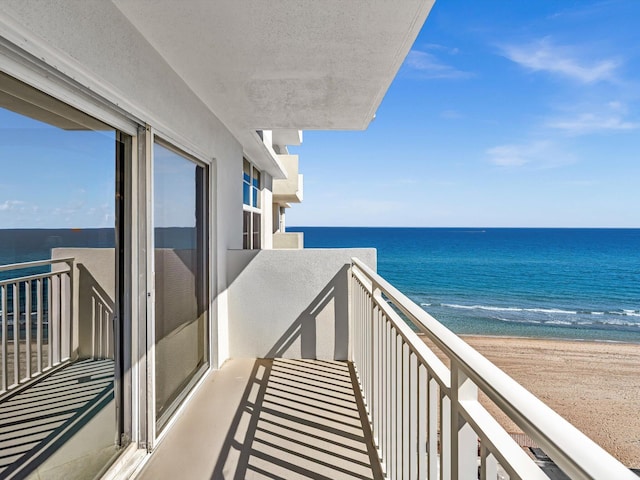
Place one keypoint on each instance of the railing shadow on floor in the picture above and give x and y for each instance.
(299, 419)
(37, 421)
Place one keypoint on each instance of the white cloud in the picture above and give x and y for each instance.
(590, 123)
(428, 65)
(441, 48)
(610, 118)
(508, 156)
(10, 204)
(544, 56)
(541, 154)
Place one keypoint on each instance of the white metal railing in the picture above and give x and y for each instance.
(426, 419)
(101, 325)
(35, 318)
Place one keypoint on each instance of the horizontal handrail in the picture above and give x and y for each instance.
(36, 263)
(576, 454)
(37, 276)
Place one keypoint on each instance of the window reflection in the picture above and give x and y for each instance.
(180, 279)
(57, 201)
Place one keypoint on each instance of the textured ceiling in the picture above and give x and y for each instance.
(283, 64)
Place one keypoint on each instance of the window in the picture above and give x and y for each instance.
(181, 282)
(251, 216)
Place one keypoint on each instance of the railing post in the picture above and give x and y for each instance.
(55, 320)
(432, 397)
(373, 375)
(488, 464)
(72, 301)
(5, 331)
(66, 297)
(27, 327)
(39, 283)
(16, 333)
(464, 441)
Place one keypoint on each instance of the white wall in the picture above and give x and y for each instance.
(291, 304)
(93, 43)
(94, 288)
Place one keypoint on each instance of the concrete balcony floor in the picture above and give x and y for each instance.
(270, 419)
(61, 426)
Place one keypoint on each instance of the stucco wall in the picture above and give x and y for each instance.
(104, 52)
(291, 304)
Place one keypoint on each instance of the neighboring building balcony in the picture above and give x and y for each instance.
(290, 189)
(56, 374)
(288, 240)
(330, 378)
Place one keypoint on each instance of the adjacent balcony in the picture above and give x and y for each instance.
(288, 240)
(56, 375)
(290, 189)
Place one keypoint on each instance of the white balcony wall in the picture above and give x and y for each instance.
(288, 240)
(291, 304)
(93, 300)
(288, 190)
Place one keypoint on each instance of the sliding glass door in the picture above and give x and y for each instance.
(180, 275)
(61, 341)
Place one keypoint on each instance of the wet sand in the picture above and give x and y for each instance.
(595, 386)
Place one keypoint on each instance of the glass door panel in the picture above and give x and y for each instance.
(57, 316)
(181, 290)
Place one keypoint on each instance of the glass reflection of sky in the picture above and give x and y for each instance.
(174, 189)
(54, 178)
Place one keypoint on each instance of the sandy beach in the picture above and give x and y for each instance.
(595, 386)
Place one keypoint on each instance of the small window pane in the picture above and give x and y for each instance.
(256, 230)
(255, 183)
(246, 220)
(246, 192)
(256, 197)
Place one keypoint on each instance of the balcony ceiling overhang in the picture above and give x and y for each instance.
(283, 64)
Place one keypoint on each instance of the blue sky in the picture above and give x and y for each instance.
(521, 114)
(52, 178)
(517, 114)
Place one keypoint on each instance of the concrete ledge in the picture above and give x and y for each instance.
(291, 303)
(288, 240)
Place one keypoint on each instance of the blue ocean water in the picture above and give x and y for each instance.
(554, 283)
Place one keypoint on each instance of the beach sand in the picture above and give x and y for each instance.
(595, 386)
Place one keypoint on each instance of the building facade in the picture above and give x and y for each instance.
(188, 108)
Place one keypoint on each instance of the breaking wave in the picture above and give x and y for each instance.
(622, 318)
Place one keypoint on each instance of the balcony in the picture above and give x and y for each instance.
(290, 189)
(329, 377)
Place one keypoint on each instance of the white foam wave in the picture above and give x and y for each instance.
(509, 309)
(546, 311)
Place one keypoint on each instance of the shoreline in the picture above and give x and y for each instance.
(594, 385)
(552, 339)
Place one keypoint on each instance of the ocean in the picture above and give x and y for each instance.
(551, 283)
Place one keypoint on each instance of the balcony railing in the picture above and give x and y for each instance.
(35, 320)
(425, 417)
